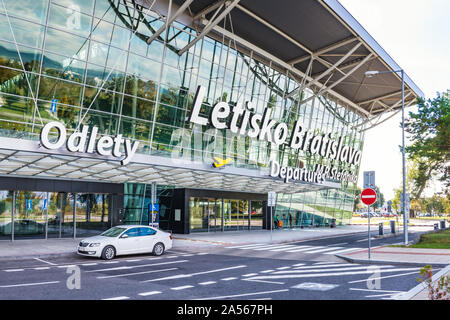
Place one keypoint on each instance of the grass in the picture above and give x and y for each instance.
(438, 240)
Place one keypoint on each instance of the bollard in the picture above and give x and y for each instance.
(392, 226)
(443, 224)
(436, 226)
(380, 228)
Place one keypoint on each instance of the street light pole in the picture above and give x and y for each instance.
(405, 218)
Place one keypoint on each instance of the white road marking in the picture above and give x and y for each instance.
(267, 271)
(207, 283)
(340, 244)
(283, 268)
(274, 247)
(195, 274)
(66, 266)
(298, 264)
(375, 290)
(228, 279)
(247, 246)
(187, 255)
(304, 249)
(202, 253)
(243, 295)
(323, 250)
(144, 294)
(41, 268)
(135, 273)
(182, 287)
(137, 266)
(391, 276)
(110, 262)
(249, 274)
(89, 264)
(53, 264)
(28, 284)
(14, 270)
(172, 257)
(379, 295)
(332, 274)
(329, 265)
(118, 298)
(342, 251)
(263, 281)
(326, 270)
(133, 260)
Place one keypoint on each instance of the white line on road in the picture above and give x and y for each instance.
(135, 273)
(379, 278)
(283, 268)
(41, 268)
(379, 295)
(182, 287)
(249, 274)
(375, 290)
(207, 283)
(267, 271)
(342, 251)
(28, 284)
(53, 264)
(144, 294)
(243, 295)
(89, 264)
(228, 279)
(263, 281)
(327, 266)
(195, 274)
(137, 266)
(305, 249)
(324, 249)
(332, 274)
(14, 270)
(118, 298)
(327, 270)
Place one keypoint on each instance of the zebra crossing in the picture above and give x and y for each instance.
(290, 248)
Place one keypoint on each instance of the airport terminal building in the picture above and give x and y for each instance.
(184, 113)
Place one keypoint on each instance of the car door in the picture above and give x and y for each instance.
(129, 242)
(147, 239)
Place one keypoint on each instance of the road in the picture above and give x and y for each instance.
(306, 270)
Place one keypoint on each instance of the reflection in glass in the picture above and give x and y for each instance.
(5, 215)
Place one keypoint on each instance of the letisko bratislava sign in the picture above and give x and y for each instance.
(241, 120)
(89, 142)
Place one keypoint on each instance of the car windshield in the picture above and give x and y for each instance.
(113, 232)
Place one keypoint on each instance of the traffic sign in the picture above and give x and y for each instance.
(369, 179)
(368, 196)
(271, 198)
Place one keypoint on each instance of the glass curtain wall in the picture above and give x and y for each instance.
(75, 51)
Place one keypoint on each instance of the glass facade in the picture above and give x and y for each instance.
(92, 60)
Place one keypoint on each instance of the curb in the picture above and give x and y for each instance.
(384, 262)
(421, 286)
(46, 255)
(274, 241)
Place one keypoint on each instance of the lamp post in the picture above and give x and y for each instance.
(370, 74)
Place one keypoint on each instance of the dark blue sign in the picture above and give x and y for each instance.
(154, 208)
(44, 204)
(29, 204)
(53, 106)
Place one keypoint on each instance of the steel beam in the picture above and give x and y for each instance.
(170, 20)
(209, 27)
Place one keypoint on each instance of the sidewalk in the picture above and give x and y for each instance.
(22, 249)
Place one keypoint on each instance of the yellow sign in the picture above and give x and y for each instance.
(218, 162)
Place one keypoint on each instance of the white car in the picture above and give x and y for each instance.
(126, 239)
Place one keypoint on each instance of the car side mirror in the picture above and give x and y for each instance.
(124, 236)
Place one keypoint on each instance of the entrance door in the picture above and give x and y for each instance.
(29, 216)
(67, 214)
(256, 215)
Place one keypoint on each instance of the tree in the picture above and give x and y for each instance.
(429, 131)
(380, 198)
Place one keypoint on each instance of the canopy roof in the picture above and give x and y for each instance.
(317, 41)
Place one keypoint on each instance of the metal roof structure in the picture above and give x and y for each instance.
(317, 42)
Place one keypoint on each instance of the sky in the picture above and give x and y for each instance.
(416, 34)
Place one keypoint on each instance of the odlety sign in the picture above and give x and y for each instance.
(261, 127)
(86, 142)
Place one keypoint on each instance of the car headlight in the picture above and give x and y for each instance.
(94, 244)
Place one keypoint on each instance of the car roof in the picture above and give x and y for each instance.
(129, 226)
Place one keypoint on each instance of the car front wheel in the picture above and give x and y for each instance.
(108, 253)
(158, 249)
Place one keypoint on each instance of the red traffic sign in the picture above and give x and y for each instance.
(368, 196)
